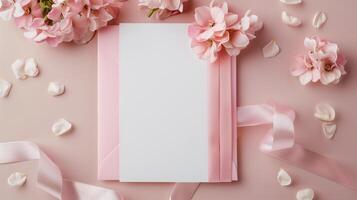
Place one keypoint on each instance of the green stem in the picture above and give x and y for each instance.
(152, 11)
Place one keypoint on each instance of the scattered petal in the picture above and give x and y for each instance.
(55, 88)
(284, 178)
(291, 2)
(319, 19)
(305, 194)
(5, 87)
(325, 112)
(17, 179)
(329, 129)
(271, 49)
(61, 127)
(290, 20)
(18, 67)
(31, 68)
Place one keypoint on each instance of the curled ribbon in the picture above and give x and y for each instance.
(49, 175)
(280, 143)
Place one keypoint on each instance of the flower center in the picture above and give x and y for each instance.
(27, 11)
(328, 67)
(211, 23)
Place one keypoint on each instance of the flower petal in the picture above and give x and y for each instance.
(284, 178)
(291, 2)
(325, 112)
(61, 127)
(319, 19)
(270, 50)
(31, 68)
(305, 78)
(55, 88)
(239, 39)
(290, 20)
(305, 194)
(329, 129)
(18, 69)
(17, 179)
(202, 15)
(5, 87)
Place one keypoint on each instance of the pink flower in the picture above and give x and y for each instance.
(322, 62)
(216, 28)
(162, 8)
(57, 21)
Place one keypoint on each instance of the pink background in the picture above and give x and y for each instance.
(28, 113)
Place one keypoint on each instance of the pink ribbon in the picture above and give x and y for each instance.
(279, 142)
(49, 175)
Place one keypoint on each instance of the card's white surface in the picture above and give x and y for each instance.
(163, 105)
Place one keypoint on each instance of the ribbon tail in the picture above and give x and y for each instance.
(183, 191)
(49, 175)
(280, 143)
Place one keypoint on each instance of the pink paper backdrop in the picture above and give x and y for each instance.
(28, 113)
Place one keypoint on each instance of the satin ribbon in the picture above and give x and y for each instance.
(50, 178)
(280, 143)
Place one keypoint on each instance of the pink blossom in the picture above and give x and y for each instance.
(162, 8)
(322, 62)
(216, 28)
(60, 21)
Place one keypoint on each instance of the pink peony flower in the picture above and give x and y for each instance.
(322, 62)
(57, 21)
(162, 8)
(216, 28)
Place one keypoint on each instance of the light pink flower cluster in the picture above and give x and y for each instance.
(216, 28)
(322, 62)
(162, 8)
(57, 21)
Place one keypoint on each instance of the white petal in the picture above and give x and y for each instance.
(31, 68)
(291, 2)
(61, 127)
(5, 87)
(271, 49)
(7, 14)
(16, 179)
(18, 67)
(319, 19)
(30, 34)
(55, 88)
(290, 20)
(284, 178)
(325, 112)
(305, 78)
(329, 129)
(19, 11)
(305, 194)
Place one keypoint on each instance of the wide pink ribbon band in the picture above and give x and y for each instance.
(222, 166)
(49, 175)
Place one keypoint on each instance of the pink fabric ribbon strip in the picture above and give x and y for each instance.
(280, 143)
(49, 175)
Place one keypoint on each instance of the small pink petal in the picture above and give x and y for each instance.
(240, 40)
(55, 13)
(217, 15)
(310, 44)
(270, 50)
(305, 78)
(202, 15)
